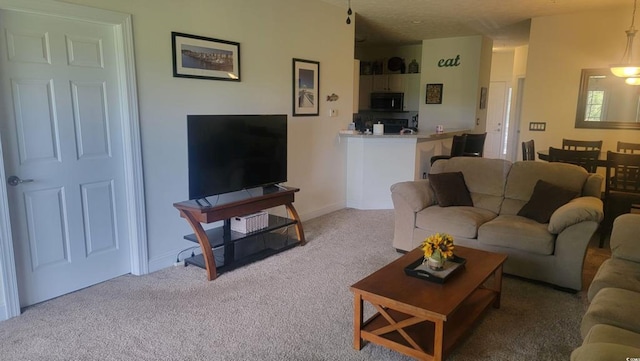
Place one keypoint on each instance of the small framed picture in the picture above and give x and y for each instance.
(434, 94)
(483, 97)
(306, 87)
(205, 58)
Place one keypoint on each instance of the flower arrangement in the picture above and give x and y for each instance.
(437, 248)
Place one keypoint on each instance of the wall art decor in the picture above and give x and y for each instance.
(306, 87)
(205, 58)
(483, 97)
(434, 94)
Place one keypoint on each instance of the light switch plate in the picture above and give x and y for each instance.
(537, 126)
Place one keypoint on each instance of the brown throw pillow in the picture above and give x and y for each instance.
(450, 189)
(546, 198)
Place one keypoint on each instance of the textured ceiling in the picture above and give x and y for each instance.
(400, 22)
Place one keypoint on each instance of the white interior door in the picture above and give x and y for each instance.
(61, 126)
(496, 110)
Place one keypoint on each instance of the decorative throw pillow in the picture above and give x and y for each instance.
(546, 198)
(450, 189)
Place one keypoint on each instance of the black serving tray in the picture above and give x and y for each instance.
(419, 270)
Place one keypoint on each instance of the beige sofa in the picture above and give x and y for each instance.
(550, 252)
(611, 325)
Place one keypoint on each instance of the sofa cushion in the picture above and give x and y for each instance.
(525, 174)
(456, 221)
(602, 333)
(618, 273)
(518, 233)
(604, 352)
(484, 177)
(624, 237)
(615, 307)
(546, 198)
(450, 189)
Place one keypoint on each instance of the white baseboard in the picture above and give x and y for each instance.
(3, 313)
(322, 211)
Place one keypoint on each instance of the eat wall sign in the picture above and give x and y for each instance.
(445, 63)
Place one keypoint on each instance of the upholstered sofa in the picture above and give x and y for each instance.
(551, 251)
(611, 325)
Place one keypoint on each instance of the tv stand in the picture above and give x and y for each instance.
(224, 243)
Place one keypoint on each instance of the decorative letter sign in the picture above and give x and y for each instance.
(449, 62)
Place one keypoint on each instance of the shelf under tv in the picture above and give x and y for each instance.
(237, 249)
(223, 249)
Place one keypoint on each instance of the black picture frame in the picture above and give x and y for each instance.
(205, 58)
(483, 97)
(306, 87)
(434, 94)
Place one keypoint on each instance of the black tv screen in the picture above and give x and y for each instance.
(228, 153)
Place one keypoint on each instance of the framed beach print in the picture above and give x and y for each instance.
(434, 94)
(306, 87)
(205, 58)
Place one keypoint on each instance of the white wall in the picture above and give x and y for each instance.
(461, 84)
(270, 34)
(559, 47)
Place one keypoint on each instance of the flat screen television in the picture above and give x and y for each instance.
(228, 153)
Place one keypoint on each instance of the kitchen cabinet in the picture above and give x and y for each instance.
(409, 84)
(388, 83)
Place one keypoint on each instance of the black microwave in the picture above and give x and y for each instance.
(387, 101)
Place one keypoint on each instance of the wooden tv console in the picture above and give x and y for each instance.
(225, 240)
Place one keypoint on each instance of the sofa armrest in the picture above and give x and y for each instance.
(625, 237)
(418, 195)
(578, 210)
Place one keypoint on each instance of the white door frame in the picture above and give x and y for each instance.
(131, 142)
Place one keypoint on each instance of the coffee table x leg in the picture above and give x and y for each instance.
(397, 324)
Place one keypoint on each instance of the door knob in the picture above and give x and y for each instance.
(14, 180)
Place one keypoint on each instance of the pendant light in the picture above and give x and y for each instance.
(627, 68)
(349, 12)
(632, 81)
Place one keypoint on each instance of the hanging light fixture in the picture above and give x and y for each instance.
(632, 81)
(627, 68)
(349, 12)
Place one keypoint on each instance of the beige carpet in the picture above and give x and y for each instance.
(292, 306)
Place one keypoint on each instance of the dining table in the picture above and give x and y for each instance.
(600, 162)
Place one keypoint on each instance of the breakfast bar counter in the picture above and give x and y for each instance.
(375, 162)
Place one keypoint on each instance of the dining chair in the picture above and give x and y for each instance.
(587, 159)
(571, 144)
(457, 148)
(467, 145)
(474, 144)
(624, 147)
(528, 150)
(622, 188)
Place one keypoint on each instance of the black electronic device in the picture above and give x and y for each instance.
(228, 153)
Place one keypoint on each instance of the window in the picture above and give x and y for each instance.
(595, 104)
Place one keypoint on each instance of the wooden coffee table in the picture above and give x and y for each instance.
(423, 319)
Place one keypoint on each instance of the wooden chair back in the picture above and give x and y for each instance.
(624, 147)
(623, 173)
(571, 144)
(587, 159)
(474, 145)
(528, 150)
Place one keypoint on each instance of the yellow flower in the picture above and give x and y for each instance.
(439, 245)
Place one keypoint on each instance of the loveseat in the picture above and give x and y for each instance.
(611, 325)
(552, 251)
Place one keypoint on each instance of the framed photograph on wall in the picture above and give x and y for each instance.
(434, 94)
(483, 97)
(306, 87)
(205, 58)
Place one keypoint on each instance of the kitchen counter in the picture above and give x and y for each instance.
(375, 162)
(418, 135)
